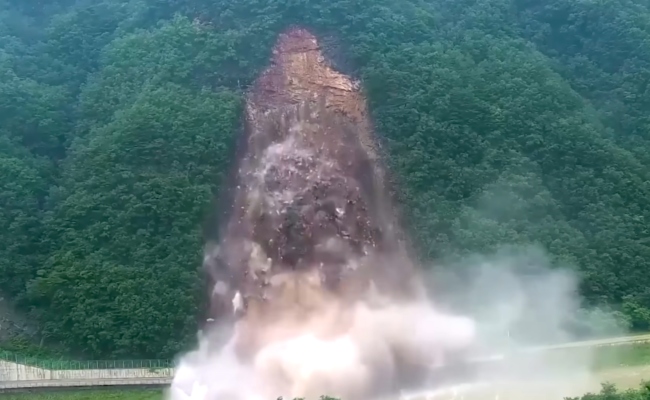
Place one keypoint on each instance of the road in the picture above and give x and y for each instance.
(638, 374)
(617, 341)
(599, 342)
(72, 383)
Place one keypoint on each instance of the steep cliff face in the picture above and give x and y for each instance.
(300, 73)
(310, 230)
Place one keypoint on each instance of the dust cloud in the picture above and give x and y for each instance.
(313, 289)
(488, 353)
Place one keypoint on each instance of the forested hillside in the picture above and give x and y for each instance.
(505, 122)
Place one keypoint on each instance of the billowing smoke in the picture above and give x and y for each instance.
(313, 291)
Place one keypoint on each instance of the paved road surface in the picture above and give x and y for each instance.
(600, 342)
(71, 383)
(618, 341)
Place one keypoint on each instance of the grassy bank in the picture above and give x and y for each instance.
(88, 395)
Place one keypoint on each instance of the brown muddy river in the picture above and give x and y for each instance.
(553, 388)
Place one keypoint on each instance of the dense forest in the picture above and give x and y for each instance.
(504, 121)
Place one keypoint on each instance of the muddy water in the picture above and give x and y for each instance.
(625, 377)
(556, 388)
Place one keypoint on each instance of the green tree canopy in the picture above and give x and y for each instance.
(505, 122)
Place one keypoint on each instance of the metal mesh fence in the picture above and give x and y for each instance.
(62, 365)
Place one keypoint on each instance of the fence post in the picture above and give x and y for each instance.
(18, 369)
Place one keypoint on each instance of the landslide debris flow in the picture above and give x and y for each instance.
(309, 270)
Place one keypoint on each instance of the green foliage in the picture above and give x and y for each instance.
(20, 217)
(610, 392)
(131, 196)
(505, 121)
(24, 348)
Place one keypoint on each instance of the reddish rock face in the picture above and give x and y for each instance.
(311, 230)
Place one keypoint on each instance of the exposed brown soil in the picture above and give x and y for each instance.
(299, 73)
(311, 229)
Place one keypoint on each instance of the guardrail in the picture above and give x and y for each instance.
(61, 365)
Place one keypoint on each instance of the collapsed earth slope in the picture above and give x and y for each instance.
(309, 257)
(310, 192)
